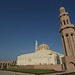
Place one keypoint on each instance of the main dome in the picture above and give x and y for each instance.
(43, 47)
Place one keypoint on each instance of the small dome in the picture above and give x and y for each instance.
(62, 9)
(43, 47)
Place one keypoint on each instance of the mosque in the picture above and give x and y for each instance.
(42, 56)
(50, 59)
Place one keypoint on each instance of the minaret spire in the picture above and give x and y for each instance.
(36, 45)
(67, 31)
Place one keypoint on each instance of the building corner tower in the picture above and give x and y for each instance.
(67, 31)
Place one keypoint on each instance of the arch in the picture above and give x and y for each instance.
(1, 63)
(71, 65)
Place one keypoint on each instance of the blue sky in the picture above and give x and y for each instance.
(22, 22)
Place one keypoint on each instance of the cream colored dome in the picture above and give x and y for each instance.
(43, 47)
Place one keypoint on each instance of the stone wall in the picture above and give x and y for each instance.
(49, 67)
(6, 64)
(21, 67)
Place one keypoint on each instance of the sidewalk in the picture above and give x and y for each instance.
(13, 73)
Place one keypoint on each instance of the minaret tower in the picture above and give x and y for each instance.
(67, 31)
(36, 45)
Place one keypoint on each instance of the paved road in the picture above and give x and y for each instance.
(13, 73)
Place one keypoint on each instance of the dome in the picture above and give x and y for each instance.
(43, 47)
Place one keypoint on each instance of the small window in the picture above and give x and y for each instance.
(51, 63)
(71, 34)
(66, 35)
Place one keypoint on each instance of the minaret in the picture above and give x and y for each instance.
(36, 45)
(67, 31)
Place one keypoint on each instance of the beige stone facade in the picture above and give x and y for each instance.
(42, 56)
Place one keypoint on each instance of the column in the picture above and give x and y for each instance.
(67, 47)
(63, 44)
(72, 46)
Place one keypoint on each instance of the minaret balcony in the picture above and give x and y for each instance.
(66, 13)
(66, 26)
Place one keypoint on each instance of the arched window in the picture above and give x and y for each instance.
(66, 35)
(1, 63)
(64, 22)
(67, 21)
